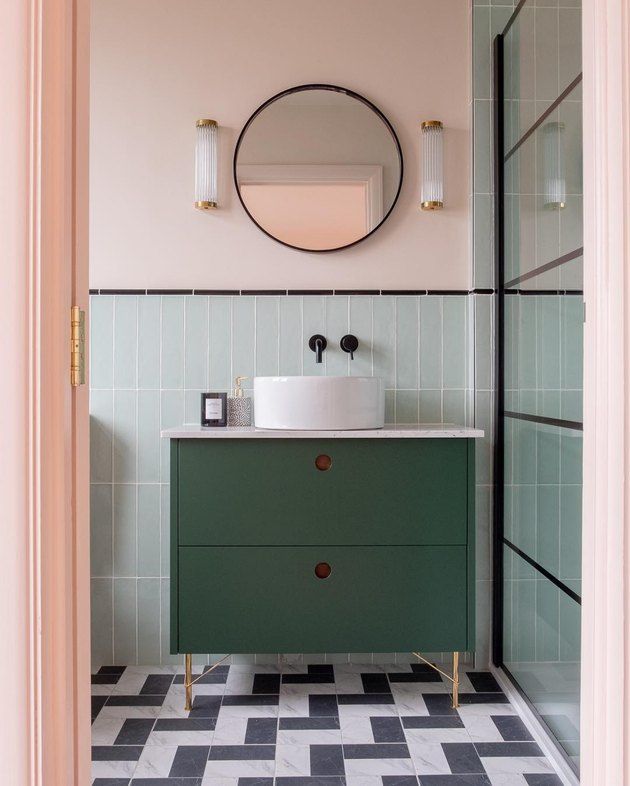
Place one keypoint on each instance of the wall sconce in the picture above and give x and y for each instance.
(432, 180)
(206, 165)
(555, 184)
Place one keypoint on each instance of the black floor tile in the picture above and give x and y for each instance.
(320, 704)
(462, 757)
(105, 679)
(190, 761)
(166, 782)
(249, 700)
(439, 704)
(318, 780)
(508, 749)
(185, 724)
(433, 722)
(484, 682)
(365, 698)
(383, 751)
(387, 730)
(111, 670)
(512, 728)
(205, 707)
(157, 684)
(399, 780)
(542, 780)
(455, 780)
(327, 760)
(420, 676)
(135, 701)
(266, 683)
(211, 678)
(242, 753)
(116, 752)
(375, 683)
(306, 724)
(423, 668)
(110, 782)
(134, 731)
(306, 679)
(261, 731)
(255, 782)
(321, 668)
(98, 702)
(483, 698)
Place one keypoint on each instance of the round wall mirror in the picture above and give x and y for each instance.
(318, 168)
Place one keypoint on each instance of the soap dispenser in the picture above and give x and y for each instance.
(239, 407)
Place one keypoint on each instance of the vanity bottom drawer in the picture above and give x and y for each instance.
(270, 599)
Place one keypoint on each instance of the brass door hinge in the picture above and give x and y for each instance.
(77, 346)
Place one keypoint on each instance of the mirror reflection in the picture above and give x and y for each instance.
(318, 168)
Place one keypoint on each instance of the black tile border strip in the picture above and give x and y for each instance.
(558, 583)
(578, 252)
(544, 116)
(297, 292)
(574, 425)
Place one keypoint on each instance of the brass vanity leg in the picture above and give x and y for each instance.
(188, 682)
(455, 680)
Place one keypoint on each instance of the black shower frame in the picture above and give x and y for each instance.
(499, 542)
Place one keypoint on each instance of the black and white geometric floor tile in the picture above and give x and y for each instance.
(318, 725)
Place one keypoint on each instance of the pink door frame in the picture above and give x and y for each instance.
(606, 532)
(44, 555)
(44, 533)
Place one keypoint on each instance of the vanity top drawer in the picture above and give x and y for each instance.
(302, 492)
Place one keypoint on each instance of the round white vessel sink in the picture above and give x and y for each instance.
(319, 403)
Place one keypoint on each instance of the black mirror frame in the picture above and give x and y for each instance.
(337, 89)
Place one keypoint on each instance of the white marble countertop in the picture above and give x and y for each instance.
(419, 431)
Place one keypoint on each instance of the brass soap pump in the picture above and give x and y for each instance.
(239, 407)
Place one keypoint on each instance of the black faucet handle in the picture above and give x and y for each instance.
(317, 344)
(349, 343)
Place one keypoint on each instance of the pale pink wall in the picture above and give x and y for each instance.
(158, 65)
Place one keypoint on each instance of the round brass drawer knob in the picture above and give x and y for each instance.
(323, 462)
(322, 570)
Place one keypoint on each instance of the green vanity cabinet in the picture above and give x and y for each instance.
(390, 519)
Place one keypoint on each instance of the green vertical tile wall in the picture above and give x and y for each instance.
(185, 344)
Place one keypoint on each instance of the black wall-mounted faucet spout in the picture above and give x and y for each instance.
(349, 343)
(317, 345)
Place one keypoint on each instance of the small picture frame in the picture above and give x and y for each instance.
(213, 409)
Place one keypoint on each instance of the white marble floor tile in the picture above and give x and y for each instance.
(249, 711)
(230, 731)
(105, 730)
(364, 780)
(188, 737)
(507, 780)
(371, 767)
(226, 781)
(516, 764)
(348, 682)
(293, 703)
(466, 710)
(129, 712)
(356, 731)
(249, 768)
(367, 710)
(409, 700)
(113, 769)
(155, 762)
(102, 690)
(429, 759)
(481, 728)
(292, 761)
(422, 736)
(301, 737)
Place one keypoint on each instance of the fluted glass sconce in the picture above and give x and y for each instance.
(206, 165)
(555, 184)
(432, 194)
